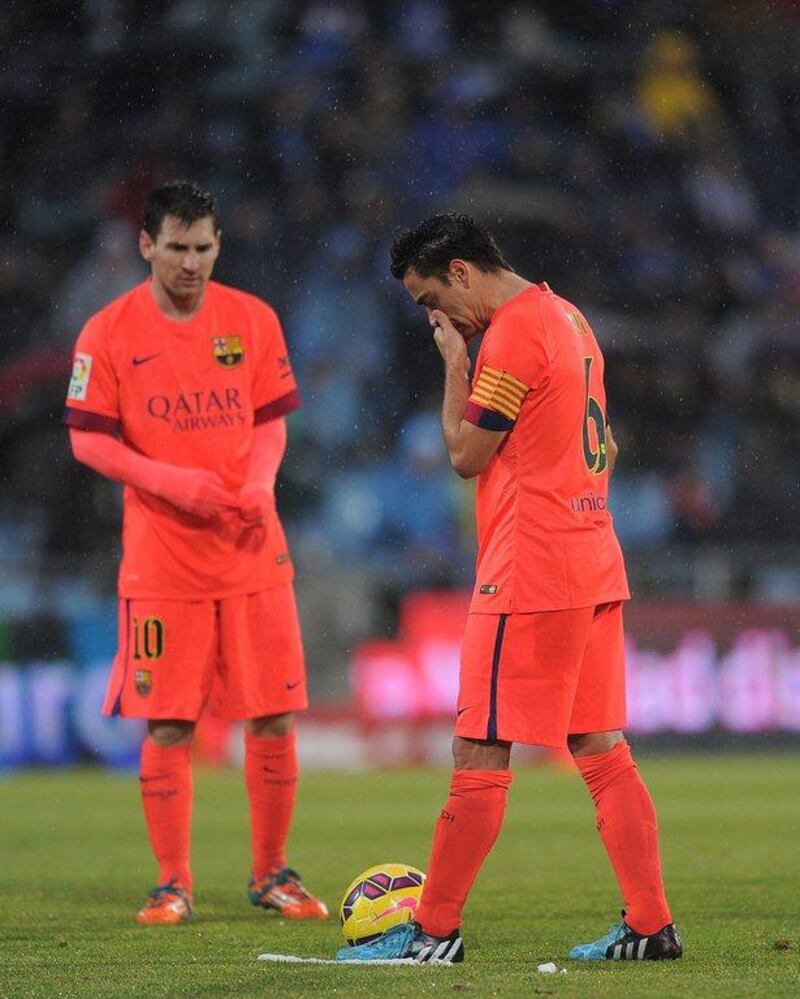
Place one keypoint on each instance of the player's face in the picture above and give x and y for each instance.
(457, 299)
(182, 257)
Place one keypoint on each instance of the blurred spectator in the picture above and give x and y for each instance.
(110, 268)
(673, 96)
(647, 174)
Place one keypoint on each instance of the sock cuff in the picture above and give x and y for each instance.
(479, 780)
(621, 750)
(270, 746)
(601, 769)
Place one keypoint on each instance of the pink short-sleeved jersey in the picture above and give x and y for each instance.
(545, 536)
(190, 394)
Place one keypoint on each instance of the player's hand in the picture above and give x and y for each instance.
(203, 494)
(450, 342)
(611, 450)
(257, 504)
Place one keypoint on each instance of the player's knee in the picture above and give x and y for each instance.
(170, 733)
(593, 743)
(271, 726)
(474, 754)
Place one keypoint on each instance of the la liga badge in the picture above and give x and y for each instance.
(143, 681)
(81, 373)
(228, 350)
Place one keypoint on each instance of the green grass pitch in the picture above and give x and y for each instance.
(74, 866)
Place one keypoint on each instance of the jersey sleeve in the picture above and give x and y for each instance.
(275, 391)
(93, 393)
(512, 362)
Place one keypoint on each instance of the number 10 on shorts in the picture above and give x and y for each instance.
(148, 638)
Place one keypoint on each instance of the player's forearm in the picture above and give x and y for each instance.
(269, 447)
(454, 406)
(113, 459)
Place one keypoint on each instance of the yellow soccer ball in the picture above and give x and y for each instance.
(380, 898)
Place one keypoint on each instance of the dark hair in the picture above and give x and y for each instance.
(182, 199)
(431, 246)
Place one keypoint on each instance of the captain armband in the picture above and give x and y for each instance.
(496, 400)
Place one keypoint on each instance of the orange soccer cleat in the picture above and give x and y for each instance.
(169, 905)
(283, 890)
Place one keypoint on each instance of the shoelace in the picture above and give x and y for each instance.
(292, 886)
(393, 942)
(288, 881)
(161, 891)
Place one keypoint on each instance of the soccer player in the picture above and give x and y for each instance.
(543, 653)
(179, 391)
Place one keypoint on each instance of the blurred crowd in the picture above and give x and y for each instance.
(640, 156)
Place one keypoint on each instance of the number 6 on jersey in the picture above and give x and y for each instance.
(596, 461)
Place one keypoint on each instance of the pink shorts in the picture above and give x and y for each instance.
(537, 678)
(241, 656)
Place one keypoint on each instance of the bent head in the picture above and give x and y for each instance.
(449, 262)
(180, 238)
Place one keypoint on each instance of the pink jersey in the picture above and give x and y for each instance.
(545, 535)
(189, 394)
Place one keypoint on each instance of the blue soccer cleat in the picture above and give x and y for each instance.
(407, 944)
(621, 943)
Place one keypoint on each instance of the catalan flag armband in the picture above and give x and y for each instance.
(496, 400)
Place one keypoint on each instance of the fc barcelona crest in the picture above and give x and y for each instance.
(228, 350)
(143, 681)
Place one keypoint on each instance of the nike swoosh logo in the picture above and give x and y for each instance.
(143, 360)
(291, 686)
(144, 780)
(461, 712)
(404, 903)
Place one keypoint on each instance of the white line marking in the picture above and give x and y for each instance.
(292, 959)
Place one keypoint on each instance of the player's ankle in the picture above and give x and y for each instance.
(648, 923)
(268, 870)
(181, 880)
(433, 929)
